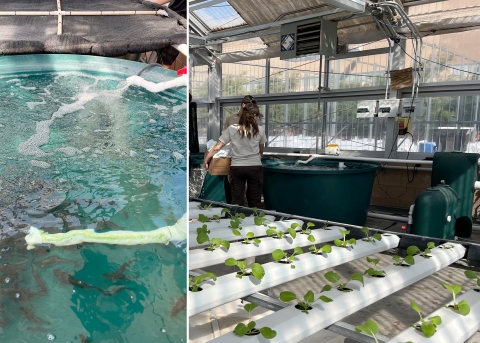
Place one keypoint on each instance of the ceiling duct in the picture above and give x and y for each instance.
(313, 36)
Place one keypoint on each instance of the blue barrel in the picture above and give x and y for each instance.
(427, 147)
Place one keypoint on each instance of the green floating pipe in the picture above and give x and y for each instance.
(163, 235)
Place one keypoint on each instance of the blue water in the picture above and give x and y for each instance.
(82, 150)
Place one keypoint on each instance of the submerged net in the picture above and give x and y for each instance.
(97, 35)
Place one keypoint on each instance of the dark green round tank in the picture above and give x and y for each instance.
(435, 212)
(320, 189)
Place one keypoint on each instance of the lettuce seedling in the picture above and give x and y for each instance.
(256, 269)
(307, 230)
(259, 217)
(272, 231)
(372, 271)
(471, 275)
(195, 282)
(205, 219)
(335, 279)
(428, 326)
(368, 238)
(308, 298)
(202, 237)
(462, 307)
(238, 216)
(249, 329)
(248, 238)
(408, 260)
(412, 250)
(370, 328)
(345, 243)
(282, 256)
(204, 207)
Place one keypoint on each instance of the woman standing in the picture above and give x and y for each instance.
(247, 139)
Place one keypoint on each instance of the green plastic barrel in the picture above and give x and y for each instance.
(320, 189)
(435, 212)
(459, 171)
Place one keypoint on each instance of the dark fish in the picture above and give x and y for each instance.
(125, 213)
(43, 287)
(179, 305)
(67, 279)
(32, 317)
(84, 340)
(107, 224)
(36, 329)
(51, 261)
(118, 274)
(19, 294)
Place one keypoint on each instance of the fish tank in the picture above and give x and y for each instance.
(82, 150)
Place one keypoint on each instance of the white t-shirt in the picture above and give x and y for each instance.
(245, 151)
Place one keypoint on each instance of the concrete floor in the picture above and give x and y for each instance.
(393, 313)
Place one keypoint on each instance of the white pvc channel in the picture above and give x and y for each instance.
(194, 204)
(455, 328)
(258, 231)
(200, 258)
(228, 287)
(193, 213)
(223, 223)
(292, 325)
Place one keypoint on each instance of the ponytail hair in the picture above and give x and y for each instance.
(247, 125)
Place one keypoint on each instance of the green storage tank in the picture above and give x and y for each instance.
(460, 171)
(320, 189)
(434, 214)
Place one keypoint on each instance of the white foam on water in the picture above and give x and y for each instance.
(160, 107)
(179, 107)
(28, 88)
(31, 147)
(12, 80)
(70, 151)
(133, 153)
(1, 125)
(152, 121)
(39, 164)
(153, 156)
(149, 150)
(31, 105)
(177, 155)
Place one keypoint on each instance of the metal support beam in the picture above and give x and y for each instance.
(355, 54)
(194, 7)
(234, 32)
(214, 91)
(347, 330)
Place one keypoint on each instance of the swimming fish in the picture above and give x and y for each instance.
(179, 305)
(118, 274)
(41, 284)
(32, 317)
(36, 329)
(51, 261)
(84, 340)
(67, 279)
(107, 224)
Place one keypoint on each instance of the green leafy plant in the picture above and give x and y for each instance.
(205, 219)
(307, 230)
(308, 298)
(272, 231)
(325, 225)
(471, 275)
(202, 237)
(195, 282)
(370, 328)
(204, 207)
(237, 216)
(372, 271)
(372, 238)
(248, 238)
(345, 243)
(407, 260)
(249, 329)
(414, 250)
(427, 326)
(326, 249)
(335, 279)
(282, 256)
(256, 269)
(462, 307)
(259, 217)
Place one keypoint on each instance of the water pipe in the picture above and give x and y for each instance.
(136, 80)
(410, 218)
(310, 157)
(351, 158)
(163, 235)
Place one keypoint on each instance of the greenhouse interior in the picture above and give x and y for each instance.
(369, 221)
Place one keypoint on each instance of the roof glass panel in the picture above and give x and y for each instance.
(219, 16)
